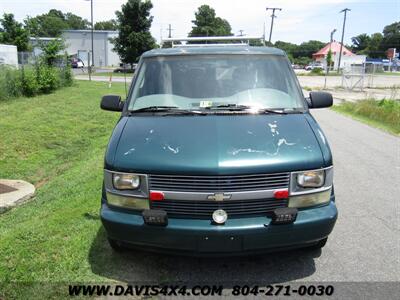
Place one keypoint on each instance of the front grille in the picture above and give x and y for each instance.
(204, 209)
(212, 184)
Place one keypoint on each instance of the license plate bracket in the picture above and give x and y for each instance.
(155, 217)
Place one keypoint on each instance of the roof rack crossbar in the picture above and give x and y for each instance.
(244, 39)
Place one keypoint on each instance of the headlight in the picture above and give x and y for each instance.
(126, 181)
(310, 199)
(311, 179)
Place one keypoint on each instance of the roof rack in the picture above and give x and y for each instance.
(244, 40)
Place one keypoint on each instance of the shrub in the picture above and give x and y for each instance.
(33, 80)
(48, 78)
(317, 71)
(29, 83)
(65, 73)
(10, 83)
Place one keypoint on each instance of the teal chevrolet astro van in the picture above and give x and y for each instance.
(216, 153)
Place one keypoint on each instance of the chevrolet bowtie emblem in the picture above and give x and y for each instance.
(219, 197)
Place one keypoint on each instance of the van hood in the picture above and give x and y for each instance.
(215, 145)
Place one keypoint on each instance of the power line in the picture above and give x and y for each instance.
(273, 16)
(341, 42)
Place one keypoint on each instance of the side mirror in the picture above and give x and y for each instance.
(112, 103)
(320, 100)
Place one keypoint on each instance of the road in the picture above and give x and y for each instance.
(364, 245)
(379, 81)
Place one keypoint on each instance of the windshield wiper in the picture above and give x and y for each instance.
(168, 110)
(230, 106)
(240, 107)
(153, 109)
(281, 111)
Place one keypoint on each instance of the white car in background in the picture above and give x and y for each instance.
(313, 66)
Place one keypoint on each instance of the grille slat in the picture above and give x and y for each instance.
(269, 179)
(176, 187)
(204, 209)
(199, 205)
(281, 181)
(223, 183)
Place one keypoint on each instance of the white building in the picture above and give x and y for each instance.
(79, 44)
(8, 55)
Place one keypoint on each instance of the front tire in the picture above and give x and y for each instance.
(116, 245)
(319, 245)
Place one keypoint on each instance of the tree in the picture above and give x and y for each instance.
(289, 48)
(306, 49)
(76, 22)
(329, 60)
(53, 23)
(51, 50)
(391, 37)
(13, 33)
(134, 35)
(106, 25)
(374, 46)
(207, 24)
(360, 42)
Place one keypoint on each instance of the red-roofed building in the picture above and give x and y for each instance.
(335, 48)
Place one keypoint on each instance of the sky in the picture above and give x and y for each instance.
(299, 20)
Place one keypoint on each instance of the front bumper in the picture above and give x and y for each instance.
(236, 236)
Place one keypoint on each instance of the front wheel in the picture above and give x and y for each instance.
(116, 245)
(319, 245)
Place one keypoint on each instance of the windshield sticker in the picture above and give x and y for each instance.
(206, 103)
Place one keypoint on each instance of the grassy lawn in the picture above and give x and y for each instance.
(107, 74)
(57, 142)
(384, 114)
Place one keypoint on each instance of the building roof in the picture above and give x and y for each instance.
(89, 31)
(213, 50)
(335, 48)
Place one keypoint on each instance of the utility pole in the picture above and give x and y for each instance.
(332, 33)
(272, 20)
(169, 31)
(91, 16)
(341, 42)
(91, 63)
(241, 32)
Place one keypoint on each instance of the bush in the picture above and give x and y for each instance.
(317, 71)
(303, 61)
(48, 78)
(29, 83)
(33, 80)
(10, 83)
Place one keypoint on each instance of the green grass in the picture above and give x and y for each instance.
(384, 114)
(107, 74)
(331, 73)
(388, 73)
(57, 142)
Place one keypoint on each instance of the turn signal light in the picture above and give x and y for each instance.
(281, 194)
(156, 196)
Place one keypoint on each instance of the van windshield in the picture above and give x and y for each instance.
(193, 82)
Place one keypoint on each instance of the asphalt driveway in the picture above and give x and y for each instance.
(364, 245)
